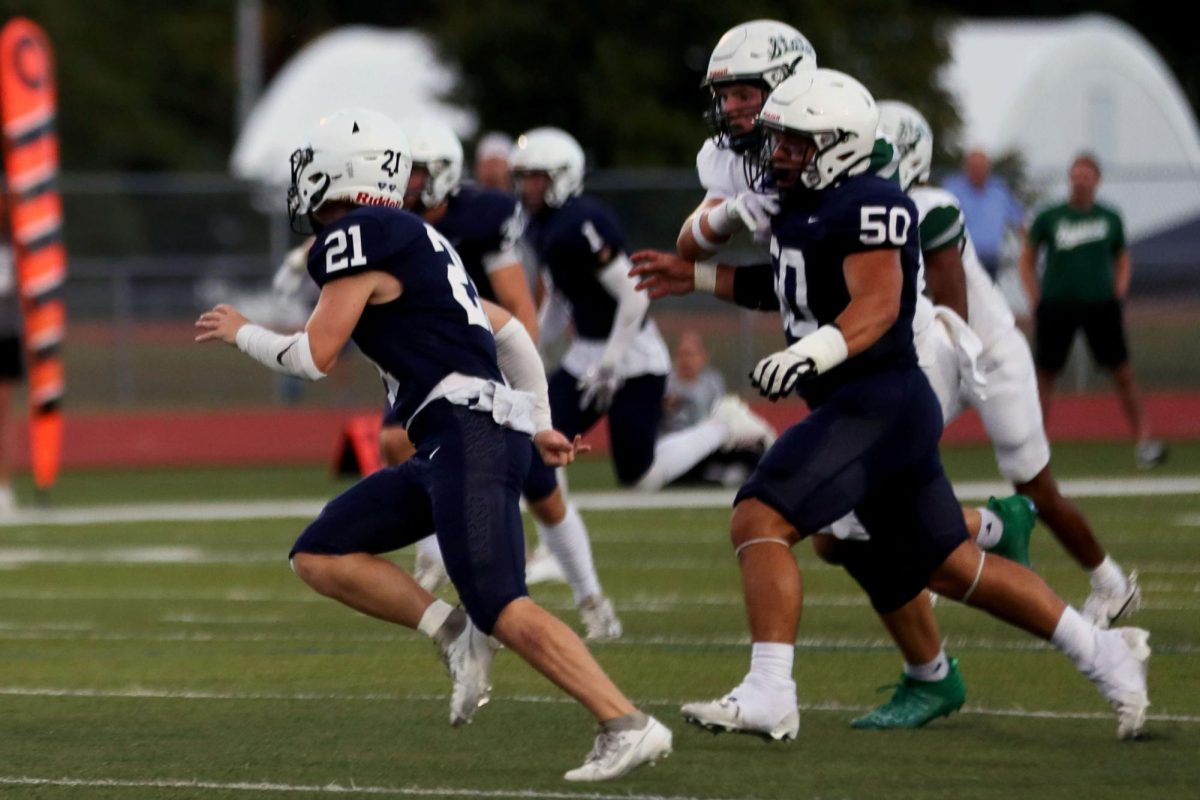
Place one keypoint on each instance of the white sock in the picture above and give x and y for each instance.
(434, 617)
(771, 666)
(676, 453)
(1076, 638)
(991, 528)
(429, 547)
(935, 670)
(1108, 577)
(568, 542)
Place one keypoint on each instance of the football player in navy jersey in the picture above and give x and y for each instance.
(617, 364)
(484, 226)
(845, 256)
(396, 287)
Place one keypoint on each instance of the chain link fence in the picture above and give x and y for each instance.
(147, 252)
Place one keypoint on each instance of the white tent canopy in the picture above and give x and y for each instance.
(394, 72)
(1050, 89)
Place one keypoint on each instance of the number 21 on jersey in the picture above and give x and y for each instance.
(460, 283)
(336, 243)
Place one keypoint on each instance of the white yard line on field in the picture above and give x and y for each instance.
(139, 693)
(304, 508)
(329, 788)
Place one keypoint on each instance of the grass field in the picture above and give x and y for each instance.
(184, 660)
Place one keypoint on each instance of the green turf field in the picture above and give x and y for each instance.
(184, 660)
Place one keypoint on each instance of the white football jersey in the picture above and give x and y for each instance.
(941, 222)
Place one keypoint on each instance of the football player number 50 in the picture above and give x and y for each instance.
(880, 224)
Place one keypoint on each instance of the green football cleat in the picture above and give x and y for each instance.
(917, 703)
(1018, 515)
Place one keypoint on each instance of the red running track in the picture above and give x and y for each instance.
(275, 435)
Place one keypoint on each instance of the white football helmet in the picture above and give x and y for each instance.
(832, 109)
(436, 148)
(762, 52)
(555, 152)
(355, 155)
(910, 133)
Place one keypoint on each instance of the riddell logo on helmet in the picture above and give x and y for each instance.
(364, 199)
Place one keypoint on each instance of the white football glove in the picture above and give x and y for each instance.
(598, 385)
(292, 271)
(822, 350)
(776, 375)
(754, 210)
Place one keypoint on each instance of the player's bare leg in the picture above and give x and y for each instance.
(628, 737)
(369, 584)
(764, 703)
(1114, 594)
(378, 588)
(1114, 660)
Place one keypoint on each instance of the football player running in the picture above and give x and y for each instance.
(748, 61)
(1009, 405)
(484, 226)
(844, 274)
(617, 365)
(394, 285)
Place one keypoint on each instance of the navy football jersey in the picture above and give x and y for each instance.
(479, 222)
(575, 242)
(812, 236)
(437, 326)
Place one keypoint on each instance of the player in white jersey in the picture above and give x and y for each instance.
(1009, 404)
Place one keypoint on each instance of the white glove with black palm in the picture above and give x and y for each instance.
(776, 375)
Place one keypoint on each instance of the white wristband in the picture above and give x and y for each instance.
(722, 222)
(290, 355)
(826, 346)
(705, 276)
(702, 241)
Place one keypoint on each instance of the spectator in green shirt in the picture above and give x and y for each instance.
(1084, 282)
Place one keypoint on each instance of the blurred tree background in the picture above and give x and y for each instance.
(151, 86)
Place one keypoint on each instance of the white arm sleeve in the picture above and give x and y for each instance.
(522, 366)
(632, 306)
(290, 355)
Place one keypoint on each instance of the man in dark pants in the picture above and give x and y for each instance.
(1085, 281)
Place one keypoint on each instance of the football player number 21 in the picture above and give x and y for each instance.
(880, 224)
(336, 257)
(460, 284)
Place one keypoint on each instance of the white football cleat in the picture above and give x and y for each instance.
(1120, 675)
(1102, 608)
(600, 619)
(747, 430)
(729, 715)
(468, 659)
(615, 754)
(543, 567)
(429, 572)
